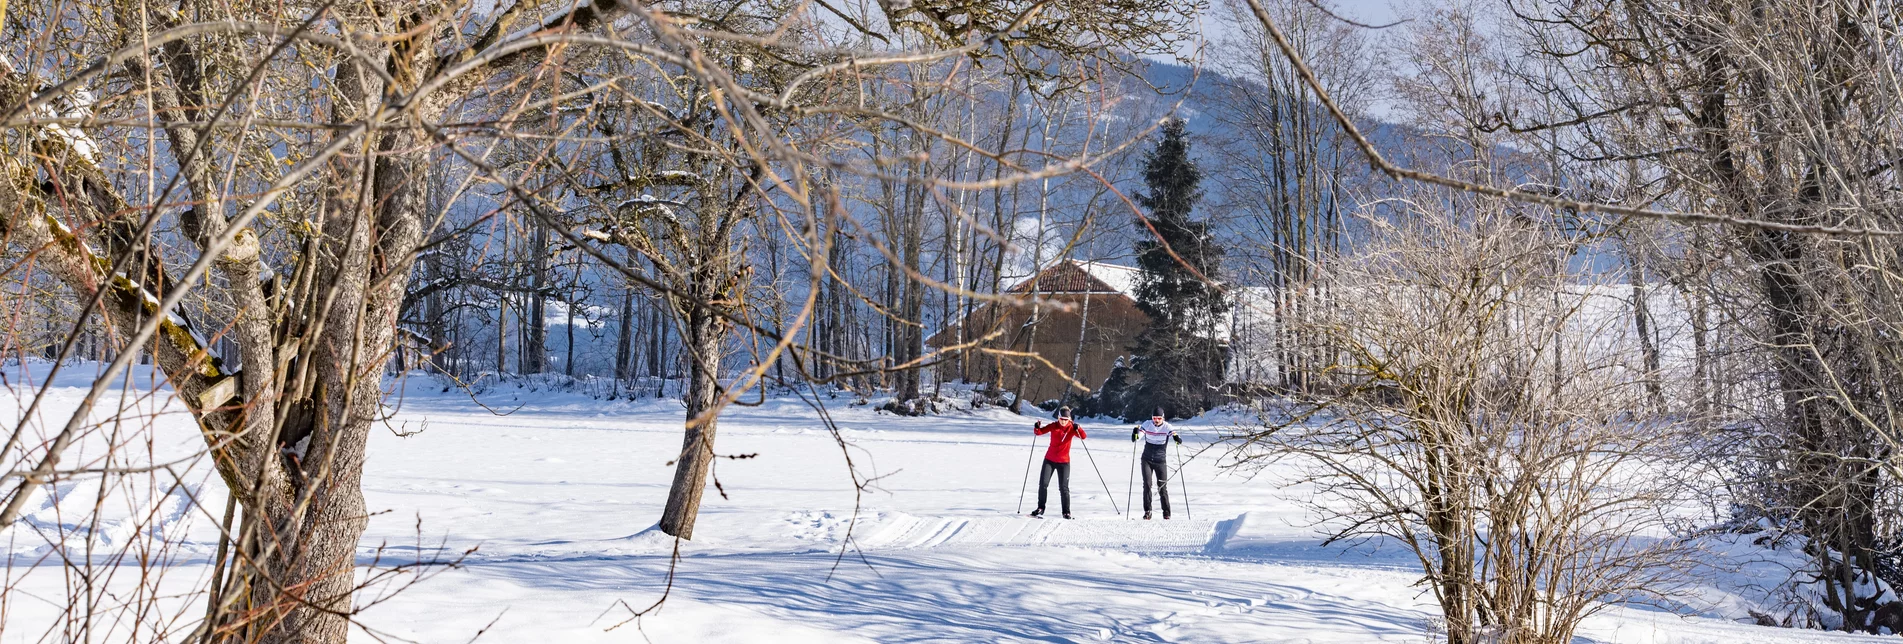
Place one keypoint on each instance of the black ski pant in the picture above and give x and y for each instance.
(1063, 483)
(1156, 472)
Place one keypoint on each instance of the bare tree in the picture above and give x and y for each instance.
(1785, 115)
(1777, 122)
(1290, 173)
(1528, 507)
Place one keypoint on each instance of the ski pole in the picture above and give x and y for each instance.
(1027, 473)
(1106, 484)
(1131, 482)
(1181, 482)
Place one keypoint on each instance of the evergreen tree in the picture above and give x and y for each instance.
(1178, 358)
(1109, 398)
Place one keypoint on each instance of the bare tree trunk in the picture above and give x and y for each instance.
(1083, 334)
(1037, 265)
(624, 344)
(705, 333)
(319, 525)
(535, 329)
(912, 295)
(502, 334)
(1704, 391)
(568, 359)
(656, 330)
(1648, 346)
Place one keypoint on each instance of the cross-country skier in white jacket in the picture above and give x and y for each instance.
(1156, 434)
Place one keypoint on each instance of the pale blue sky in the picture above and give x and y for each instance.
(1373, 12)
(1369, 12)
(1215, 23)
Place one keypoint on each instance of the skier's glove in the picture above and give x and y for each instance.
(1179, 439)
(1135, 434)
(1037, 425)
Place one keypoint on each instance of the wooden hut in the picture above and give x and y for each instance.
(1082, 344)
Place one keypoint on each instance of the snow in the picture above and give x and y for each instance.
(680, 176)
(74, 104)
(587, 316)
(1601, 326)
(555, 504)
(68, 234)
(648, 199)
(77, 141)
(1120, 278)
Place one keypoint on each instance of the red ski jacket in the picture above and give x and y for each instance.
(1061, 432)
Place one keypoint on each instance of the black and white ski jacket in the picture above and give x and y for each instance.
(1156, 438)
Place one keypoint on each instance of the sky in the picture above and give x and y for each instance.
(1216, 23)
(1367, 12)
(1373, 12)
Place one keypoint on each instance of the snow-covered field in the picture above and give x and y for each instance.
(556, 499)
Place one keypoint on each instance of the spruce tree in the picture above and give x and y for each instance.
(1178, 358)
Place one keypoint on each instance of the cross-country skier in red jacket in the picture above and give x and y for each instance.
(1057, 459)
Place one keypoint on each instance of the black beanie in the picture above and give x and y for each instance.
(1159, 412)
(1063, 412)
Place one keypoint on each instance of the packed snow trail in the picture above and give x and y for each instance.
(557, 499)
(906, 531)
